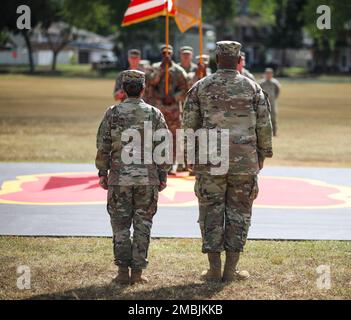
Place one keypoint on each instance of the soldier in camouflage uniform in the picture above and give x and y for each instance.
(132, 188)
(178, 86)
(228, 100)
(272, 86)
(186, 59)
(241, 67)
(186, 62)
(134, 56)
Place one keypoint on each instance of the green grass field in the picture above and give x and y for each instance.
(55, 119)
(81, 268)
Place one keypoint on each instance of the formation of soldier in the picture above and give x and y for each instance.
(228, 99)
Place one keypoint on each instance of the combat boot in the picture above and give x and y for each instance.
(214, 273)
(231, 271)
(122, 276)
(137, 277)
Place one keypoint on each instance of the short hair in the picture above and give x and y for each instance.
(228, 59)
(133, 89)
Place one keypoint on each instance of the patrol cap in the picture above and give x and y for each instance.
(186, 49)
(242, 54)
(134, 52)
(205, 59)
(164, 48)
(268, 70)
(228, 48)
(133, 76)
(144, 63)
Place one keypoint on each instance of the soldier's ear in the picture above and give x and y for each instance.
(142, 92)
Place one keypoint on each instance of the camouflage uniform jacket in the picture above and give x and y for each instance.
(178, 85)
(248, 74)
(228, 100)
(130, 114)
(191, 68)
(272, 87)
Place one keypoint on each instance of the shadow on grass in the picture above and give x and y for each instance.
(110, 291)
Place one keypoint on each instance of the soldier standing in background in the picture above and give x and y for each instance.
(241, 67)
(201, 70)
(177, 88)
(206, 62)
(134, 58)
(186, 59)
(272, 87)
(228, 100)
(186, 62)
(146, 67)
(132, 188)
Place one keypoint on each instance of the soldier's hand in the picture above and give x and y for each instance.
(168, 100)
(201, 70)
(162, 186)
(103, 183)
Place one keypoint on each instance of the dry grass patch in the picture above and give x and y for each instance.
(55, 119)
(82, 268)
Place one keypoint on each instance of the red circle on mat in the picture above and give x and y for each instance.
(83, 188)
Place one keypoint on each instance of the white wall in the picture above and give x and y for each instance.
(41, 58)
(45, 57)
(22, 58)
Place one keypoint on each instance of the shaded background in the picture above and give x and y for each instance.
(278, 33)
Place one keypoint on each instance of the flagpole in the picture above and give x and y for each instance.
(200, 37)
(167, 45)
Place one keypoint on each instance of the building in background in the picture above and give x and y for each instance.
(85, 48)
(252, 32)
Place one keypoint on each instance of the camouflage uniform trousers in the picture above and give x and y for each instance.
(129, 205)
(274, 113)
(225, 205)
(172, 117)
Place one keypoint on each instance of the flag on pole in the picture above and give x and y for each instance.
(187, 13)
(142, 10)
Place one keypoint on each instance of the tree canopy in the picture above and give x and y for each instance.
(288, 20)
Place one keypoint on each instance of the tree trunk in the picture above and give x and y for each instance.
(54, 60)
(283, 57)
(30, 51)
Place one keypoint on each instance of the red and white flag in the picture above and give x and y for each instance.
(141, 10)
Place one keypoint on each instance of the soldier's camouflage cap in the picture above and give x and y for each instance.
(228, 48)
(205, 59)
(134, 52)
(133, 76)
(164, 48)
(186, 49)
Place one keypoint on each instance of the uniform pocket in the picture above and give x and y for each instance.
(255, 189)
(196, 187)
(154, 201)
(111, 200)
